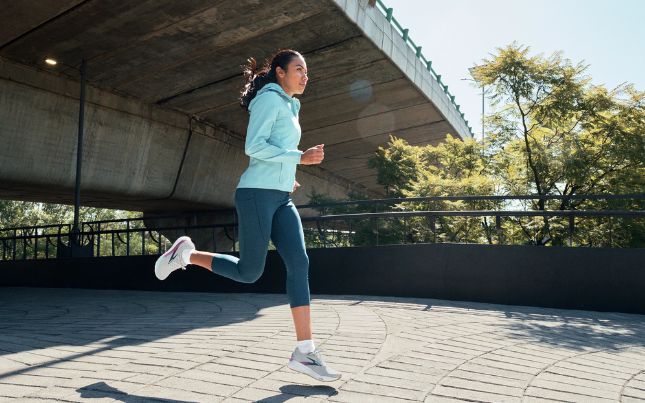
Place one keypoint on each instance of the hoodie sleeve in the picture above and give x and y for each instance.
(264, 113)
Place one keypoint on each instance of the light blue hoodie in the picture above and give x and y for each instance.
(272, 140)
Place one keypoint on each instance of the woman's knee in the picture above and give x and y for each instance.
(299, 265)
(250, 267)
(250, 277)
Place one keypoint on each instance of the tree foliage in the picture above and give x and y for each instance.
(44, 242)
(21, 214)
(552, 132)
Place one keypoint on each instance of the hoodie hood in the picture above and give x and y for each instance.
(275, 87)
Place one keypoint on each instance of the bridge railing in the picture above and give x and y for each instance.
(32, 242)
(388, 13)
(350, 223)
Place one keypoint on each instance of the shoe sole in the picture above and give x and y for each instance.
(157, 268)
(174, 246)
(303, 369)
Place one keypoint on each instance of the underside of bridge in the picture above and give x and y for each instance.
(163, 126)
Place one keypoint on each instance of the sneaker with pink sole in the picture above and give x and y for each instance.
(171, 260)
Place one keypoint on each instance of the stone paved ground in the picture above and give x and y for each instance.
(71, 345)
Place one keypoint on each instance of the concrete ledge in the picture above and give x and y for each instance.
(385, 37)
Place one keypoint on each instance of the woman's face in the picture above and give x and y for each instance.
(294, 79)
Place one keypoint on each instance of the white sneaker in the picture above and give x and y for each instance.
(313, 365)
(171, 260)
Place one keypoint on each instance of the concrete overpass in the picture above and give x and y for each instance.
(163, 129)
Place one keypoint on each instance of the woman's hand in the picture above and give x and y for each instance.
(296, 185)
(313, 156)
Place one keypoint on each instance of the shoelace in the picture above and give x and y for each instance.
(316, 353)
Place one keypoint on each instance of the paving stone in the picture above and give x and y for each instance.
(593, 392)
(144, 379)
(505, 365)
(444, 399)
(613, 361)
(353, 397)
(410, 376)
(564, 396)
(393, 382)
(588, 360)
(637, 383)
(235, 400)
(514, 360)
(473, 395)
(487, 378)
(55, 392)
(255, 365)
(472, 384)
(430, 361)
(223, 379)
(382, 390)
(163, 393)
(9, 390)
(531, 399)
(147, 369)
(412, 368)
(253, 394)
(219, 368)
(198, 386)
(498, 372)
(634, 393)
(29, 380)
(573, 381)
(589, 369)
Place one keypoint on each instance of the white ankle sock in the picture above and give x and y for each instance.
(306, 346)
(185, 256)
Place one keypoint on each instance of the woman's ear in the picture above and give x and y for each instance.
(281, 73)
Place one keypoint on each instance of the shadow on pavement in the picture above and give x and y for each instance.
(579, 330)
(83, 322)
(100, 390)
(293, 391)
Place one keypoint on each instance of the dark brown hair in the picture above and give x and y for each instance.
(255, 79)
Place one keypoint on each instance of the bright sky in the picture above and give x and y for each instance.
(608, 35)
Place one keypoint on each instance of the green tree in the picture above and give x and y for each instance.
(554, 133)
(453, 167)
(551, 133)
(356, 232)
(35, 242)
(397, 166)
(15, 213)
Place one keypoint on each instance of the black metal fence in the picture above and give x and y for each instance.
(494, 220)
(359, 223)
(32, 242)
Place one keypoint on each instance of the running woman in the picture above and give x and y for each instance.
(263, 202)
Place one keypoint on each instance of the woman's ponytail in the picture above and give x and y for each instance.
(255, 79)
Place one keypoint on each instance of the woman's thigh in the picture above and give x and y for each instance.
(254, 218)
(288, 236)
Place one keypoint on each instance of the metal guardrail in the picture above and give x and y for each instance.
(16, 241)
(131, 237)
(405, 34)
(395, 200)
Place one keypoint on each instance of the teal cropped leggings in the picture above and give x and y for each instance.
(265, 214)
